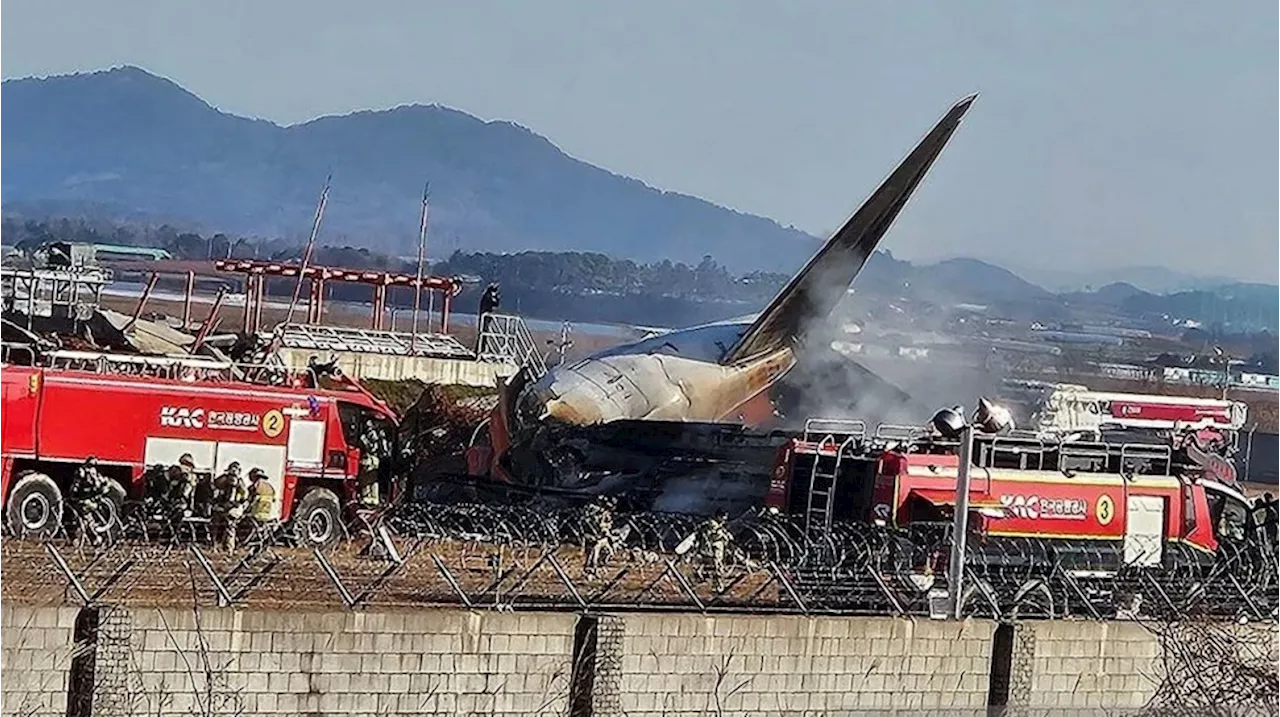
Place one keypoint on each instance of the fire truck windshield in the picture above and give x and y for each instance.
(1229, 513)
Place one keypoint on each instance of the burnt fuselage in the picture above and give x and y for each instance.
(671, 377)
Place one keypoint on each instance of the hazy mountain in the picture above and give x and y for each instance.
(945, 282)
(1109, 295)
(981, 281)
(125, 138)
(1153, 279)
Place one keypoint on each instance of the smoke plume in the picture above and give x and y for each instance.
(846, 370)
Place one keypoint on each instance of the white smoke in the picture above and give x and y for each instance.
(870, 376)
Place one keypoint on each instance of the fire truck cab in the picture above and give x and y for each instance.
(307, 440)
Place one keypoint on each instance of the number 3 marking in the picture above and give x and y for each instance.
(1106, 510)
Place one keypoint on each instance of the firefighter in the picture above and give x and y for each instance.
(715, 538)
(374, 448)
(182, 484)
(89, 491)
(263, 496)
(597, 532)
(1265, 520)
(490, 300)
(1272, 519)
(231, 497)
(203, 496)
(155, 489)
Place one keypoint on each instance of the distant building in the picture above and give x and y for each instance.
(1026, 347)
(1080, 337)
(1256, 380)
(1128, 372)
(1117, 331)
(108, 252)
(1194, 376)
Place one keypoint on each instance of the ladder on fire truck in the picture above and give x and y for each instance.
(181, 368)
(834, 437)
(189, 368)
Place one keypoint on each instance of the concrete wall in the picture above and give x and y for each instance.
(454, 662)
(35, 659)
(1083, 665)
(745, 665)
(420, 663)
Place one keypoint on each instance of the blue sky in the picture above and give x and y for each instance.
(1108, 133)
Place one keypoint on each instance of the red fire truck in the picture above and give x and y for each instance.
(306, 439)
(1064, 409)
(1124, 502)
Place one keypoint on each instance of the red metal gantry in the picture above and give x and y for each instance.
(256, 272)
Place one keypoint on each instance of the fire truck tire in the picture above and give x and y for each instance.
(116, 496)
(318, 519)
(34, 508)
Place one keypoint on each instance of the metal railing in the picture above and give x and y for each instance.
(504, 338)
(68, 293)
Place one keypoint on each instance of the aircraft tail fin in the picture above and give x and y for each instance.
(817, 288)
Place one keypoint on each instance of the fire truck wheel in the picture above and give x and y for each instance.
(34, 507)
(318, 518)
(115, 503)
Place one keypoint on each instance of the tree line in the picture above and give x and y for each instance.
(565, 273)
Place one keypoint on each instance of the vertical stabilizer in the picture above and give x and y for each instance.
(817, 288)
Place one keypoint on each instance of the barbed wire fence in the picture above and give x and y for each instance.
(509, 557)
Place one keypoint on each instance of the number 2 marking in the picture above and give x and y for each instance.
(272, 423)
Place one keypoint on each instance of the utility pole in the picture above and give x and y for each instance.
(960, 524)
(422, 256)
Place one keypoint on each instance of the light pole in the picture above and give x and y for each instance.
(951, 423)
(960, 523)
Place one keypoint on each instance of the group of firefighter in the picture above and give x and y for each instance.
(600, 535)
(180, 492)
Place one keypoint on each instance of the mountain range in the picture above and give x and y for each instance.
(135, 142)
(130, 146)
